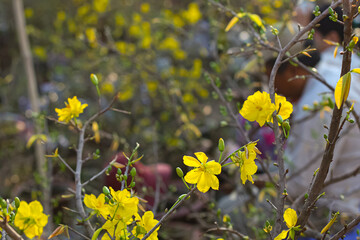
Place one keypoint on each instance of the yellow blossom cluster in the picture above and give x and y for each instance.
(120, 211)
(30, 219)
(258, 107)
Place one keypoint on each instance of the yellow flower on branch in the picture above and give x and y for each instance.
(72, 110)
(115, 227)
(258, 107)
(246, 161)
(31, 219)
(125, 205)
(282, 107)
(97, 204)
(290, 218)
(285, 107)
(204, 173)
(144, 225)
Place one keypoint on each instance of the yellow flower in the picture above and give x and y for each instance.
(258, 107)
(144, 225)
(125, 206)
(290, 218)
(114, 226)
(31, 219)
(286, 108)
(246, 161)
(72, 109)
(204, 173)
(97, 204)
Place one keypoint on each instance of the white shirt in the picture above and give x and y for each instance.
(306, 142)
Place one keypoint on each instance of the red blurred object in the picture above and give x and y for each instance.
(146, 176)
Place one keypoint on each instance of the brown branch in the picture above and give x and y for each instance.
(346, 229)
(342, 177)
(79, 162)
(318, 184)
(282, 52)
(9, 230)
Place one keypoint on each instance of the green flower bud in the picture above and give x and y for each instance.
(106, 190)
(182, 196)
(94, 79)
(286, 125)
(179, 172)
(221, 145)
(3, 203)
(17, 202)
(133, 172)
(132, 185)
(280, 119)
(96, 234)
(306, 196)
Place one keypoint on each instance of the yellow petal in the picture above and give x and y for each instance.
(257, 20)
(335, 51)
(356, 70)
(191, 161)
(342, 89)
(213, 167)
(282, 235)
(290, 217)
(193, 176)
(213, 180)
(202, 157)
(204, 182)
(329, 224)
(233, 21)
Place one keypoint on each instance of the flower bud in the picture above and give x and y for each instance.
(133, 172)
(17, 202)
(286, 125)
(3, 203)
(106, 190)
(132, 185)
(94, 79)
(179, 172)
(221, 145)
(279, 119)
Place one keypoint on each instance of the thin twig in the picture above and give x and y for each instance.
(229, 108)
(223, 229)
(66, 164)
(168, 213)
(99, 173)
(78, 233)
(120, 111)
(342, 177)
